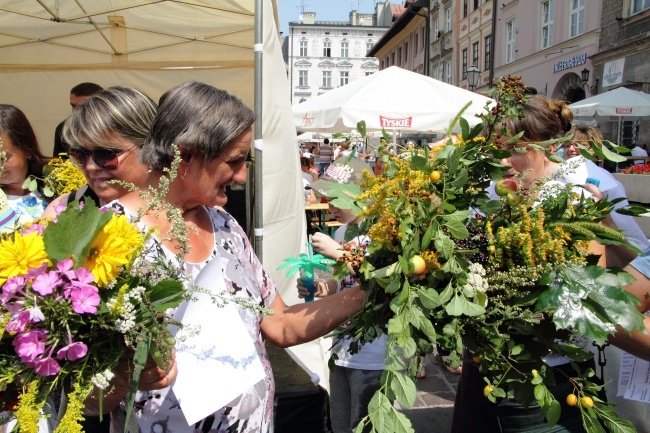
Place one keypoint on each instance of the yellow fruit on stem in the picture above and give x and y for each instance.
(434, 176)
(487, 390)
(571, 400)
(587, 402)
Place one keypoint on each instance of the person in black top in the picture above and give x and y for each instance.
(78, 94)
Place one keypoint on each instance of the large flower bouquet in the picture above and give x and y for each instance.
(77, 300)
(509, 279)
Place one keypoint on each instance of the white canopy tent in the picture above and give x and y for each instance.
(49, 46)
(620, 102)
(394, 99)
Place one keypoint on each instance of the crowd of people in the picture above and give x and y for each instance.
(119, 133)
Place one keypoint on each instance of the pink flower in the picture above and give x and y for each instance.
(34, 228)
(30, 345)
(18, 323)
(11, 287)
(65, 268)
(72, 351)
(35, 272)
(84, 297)
(46, 282)
(59, 208)
(85, 276)
(46, 367)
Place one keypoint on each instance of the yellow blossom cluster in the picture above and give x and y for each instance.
(63, 177)
(526, 242)
(29, 411)
(431, 260)
(70, 422)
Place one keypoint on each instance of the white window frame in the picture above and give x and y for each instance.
(326, 81)
(436, 29)
(511, 40)
(303, 78)
(345, 48)
(548, 10)
(344, 78)
(327, 48)
(577, 18)
(637, 6)
(436, 73)
(304, 46)
(447, 71)
(448, 19)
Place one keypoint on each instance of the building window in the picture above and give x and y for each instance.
(369, 45)
(303, 78)
(369, 73)
(487, 62)
(637, 6)
(344, 48)
(399, 56)
(476, 4)
(436, 73)
(406, 53)
(511, 30)
(327, 79)
(475, 54)
(344, 78)
(303, 47)
(464, 64)
(392, 59)
(447, 72)
(448, 18)
(577, 17)
(547, 23)
(436, 30)
(465, 8)
(327, 48)
(416, 40)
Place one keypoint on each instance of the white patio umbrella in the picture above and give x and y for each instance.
(392, 98)
(620, 102)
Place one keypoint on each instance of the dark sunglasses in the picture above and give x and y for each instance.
(104, 158)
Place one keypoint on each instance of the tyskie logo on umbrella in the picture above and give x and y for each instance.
(395, 122)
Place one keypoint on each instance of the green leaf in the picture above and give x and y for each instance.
(459, 305)
(464, 127)
(444, 245)
(613, 422)
(553, 413)
(457, 229)
(379, 412)
(361, 128)
(166, 294)
(85, 224)
(404, 389)
(429, 298)
(139, 360)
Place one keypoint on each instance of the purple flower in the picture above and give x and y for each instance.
(72, 351)
(30, 345)
(18, 323)
(46, 367)
(59, 208)
(35, 272)
(65, 268)
(84, 297)
(34, 228)
(46, 283)
(85, 276)
(11, 287)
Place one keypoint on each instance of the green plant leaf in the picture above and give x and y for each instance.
(404, 389)
(459, 306)
(139, 360)
(85, 223)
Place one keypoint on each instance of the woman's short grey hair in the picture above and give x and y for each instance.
(122, 110)
(198, 118)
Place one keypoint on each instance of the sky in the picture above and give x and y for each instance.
(326, 10)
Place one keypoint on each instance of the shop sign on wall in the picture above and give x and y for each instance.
(613, 72)
(571, 62)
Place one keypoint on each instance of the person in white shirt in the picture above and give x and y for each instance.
(639, 150)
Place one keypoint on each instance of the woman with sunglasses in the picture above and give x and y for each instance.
(105, 135)
(22, 158)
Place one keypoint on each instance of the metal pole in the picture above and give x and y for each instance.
(258, 199)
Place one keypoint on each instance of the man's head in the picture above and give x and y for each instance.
(81, 92)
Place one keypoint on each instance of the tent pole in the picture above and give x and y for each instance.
(258, 197)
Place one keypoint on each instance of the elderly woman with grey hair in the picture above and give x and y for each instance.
(212, 130)
(105, 135)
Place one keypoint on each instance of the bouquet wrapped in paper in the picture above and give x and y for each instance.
(76, 299)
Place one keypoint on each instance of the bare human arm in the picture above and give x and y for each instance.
(300, 323)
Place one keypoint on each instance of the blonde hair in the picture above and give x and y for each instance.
(544, 119)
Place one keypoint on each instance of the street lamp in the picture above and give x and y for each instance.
(584, 75)
(472, 77)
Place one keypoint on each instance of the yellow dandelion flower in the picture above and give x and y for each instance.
(113, 248)
(20, 254)
(29, 411)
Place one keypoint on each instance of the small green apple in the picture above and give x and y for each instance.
(513, 198)
(505, 186)
(417, 265)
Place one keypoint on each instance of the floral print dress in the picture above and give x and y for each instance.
(159, 411)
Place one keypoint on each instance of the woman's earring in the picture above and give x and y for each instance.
(184, 174)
